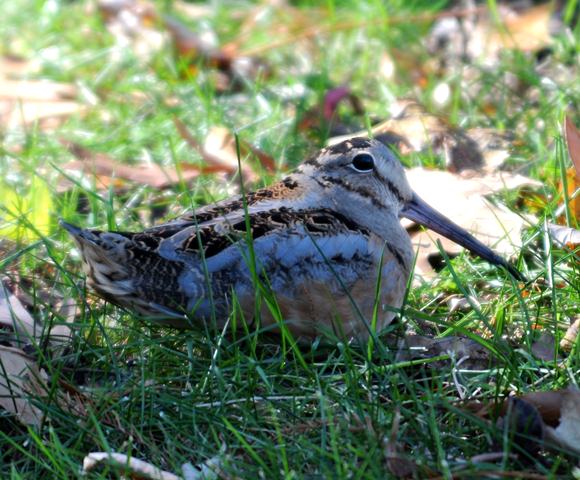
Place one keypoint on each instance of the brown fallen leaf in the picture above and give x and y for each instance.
(225, 66)
(416, 129)
(105, 168)
(413, 129)
(571, 335)
(62, 331)
(463, 201)
(572, 135)
(219, 151)
(36, 90)
(523, 424)
(23, 102)
(548, 404)
(196, 49)
(139, 25)
(18, 328)
(220, 144)
(20, 378)
(567, 433)
(544, 348)
(480, 37)
(564, 236)
(560, 411)
(536, 420)
(398, 464)
(470, 353)
(15, 318)
(571, 192)
(12, 66)
(49, 115)
(494, 147)
(132, 24)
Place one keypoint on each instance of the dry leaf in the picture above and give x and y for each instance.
(48, 114)
(16, 67)
(219, 151)
(23, 102)
(19, 329)
(19, 377)
(523, 423)
(61, 333)
(564, 236)
(132, 24)
(463, 201)
(127, 465)
(398, 464)
(36, 90)
(413, 129)
(195, 48)
(416, 129)
(15, 318)
(493, 146)
(573, 141)
(538, 416)
(479, 37)
(567, 433)
(571, 336)
(572, 194)
(544, 348)
(193, 11)
(560, 411)
(105, 168)
(548, 404)
(139, 25)
(220, 144)
(470, 353)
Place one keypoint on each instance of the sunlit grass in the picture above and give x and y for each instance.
(171, 397)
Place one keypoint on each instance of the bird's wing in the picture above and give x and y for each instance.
(230, 208)
(289, 246)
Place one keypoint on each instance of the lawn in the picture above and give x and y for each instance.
(133, 88)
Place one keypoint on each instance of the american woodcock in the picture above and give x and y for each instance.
(326, 240)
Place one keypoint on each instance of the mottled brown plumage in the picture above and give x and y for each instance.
(325, 241)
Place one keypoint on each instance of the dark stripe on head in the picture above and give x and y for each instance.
(363, 192)
(390, 185)
(312, 161)
(348, 145)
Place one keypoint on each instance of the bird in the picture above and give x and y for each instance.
(325, 242)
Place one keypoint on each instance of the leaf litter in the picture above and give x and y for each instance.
(411, 130)
(22, 380)
(24, 102)
(128, 465)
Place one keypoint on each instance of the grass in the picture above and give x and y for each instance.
(171, 397)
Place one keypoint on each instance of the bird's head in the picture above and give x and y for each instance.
(363, 179)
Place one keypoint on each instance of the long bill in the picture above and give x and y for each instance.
(419, 211)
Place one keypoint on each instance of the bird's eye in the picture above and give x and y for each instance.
(363, 162)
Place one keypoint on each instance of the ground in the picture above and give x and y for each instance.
(261, 406)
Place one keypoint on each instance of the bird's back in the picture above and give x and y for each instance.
(319, 264)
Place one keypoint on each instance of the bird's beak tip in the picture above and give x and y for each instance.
(422, 213)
